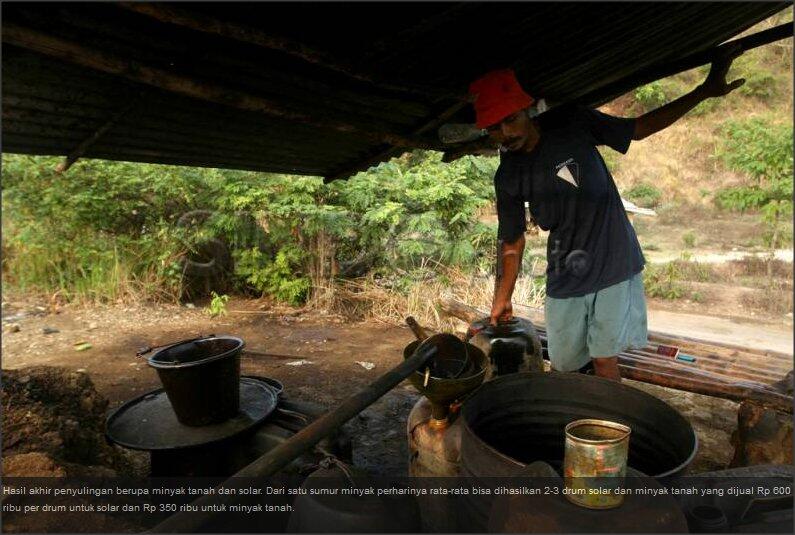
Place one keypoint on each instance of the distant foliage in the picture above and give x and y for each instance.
(110, 230)
(664, 281)
(650, 96)
(763, 152)
(645, 195)
(689, 239)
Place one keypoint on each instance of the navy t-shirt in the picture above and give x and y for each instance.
(571, 193)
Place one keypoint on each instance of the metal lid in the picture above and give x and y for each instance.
(148, 422)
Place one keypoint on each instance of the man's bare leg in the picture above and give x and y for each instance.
(607, 367)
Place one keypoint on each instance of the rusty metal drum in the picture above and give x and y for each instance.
(595, 462)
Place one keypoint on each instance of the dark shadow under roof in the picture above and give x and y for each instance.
(315, 88)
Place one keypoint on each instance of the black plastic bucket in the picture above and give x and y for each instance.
(201, 378)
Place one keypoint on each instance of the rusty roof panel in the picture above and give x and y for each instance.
(307, 88)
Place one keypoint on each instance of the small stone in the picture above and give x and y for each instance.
(93, 325)
(49, 330)
(80, 370)
(12, 328)
(190, 305)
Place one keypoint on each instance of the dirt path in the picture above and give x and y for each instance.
(332, 348)
(722, 330)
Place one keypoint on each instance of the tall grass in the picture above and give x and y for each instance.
(365, 298)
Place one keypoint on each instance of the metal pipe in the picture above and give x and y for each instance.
(281, 456)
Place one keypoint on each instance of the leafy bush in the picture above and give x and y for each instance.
(112, 230)
(689, 239)
(217, 306)
(645, 195)
(650, 96)
(664, 281)
(762, 85)
(763, 152)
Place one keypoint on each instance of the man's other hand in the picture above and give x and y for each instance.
(715, 85)
(501, 312)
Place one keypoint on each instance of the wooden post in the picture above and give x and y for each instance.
(763, 435)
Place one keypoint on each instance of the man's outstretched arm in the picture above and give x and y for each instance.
(508, 262)
(714, 86)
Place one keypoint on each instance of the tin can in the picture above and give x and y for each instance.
(595, 463)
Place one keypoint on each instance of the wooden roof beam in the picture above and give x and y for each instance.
(167, 13)
(388, 153)
(175, 83)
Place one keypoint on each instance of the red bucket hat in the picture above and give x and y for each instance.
(498, 95)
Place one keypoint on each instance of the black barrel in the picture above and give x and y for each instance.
(517, 419)
(201, 378)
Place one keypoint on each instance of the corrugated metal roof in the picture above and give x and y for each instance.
(313, 88)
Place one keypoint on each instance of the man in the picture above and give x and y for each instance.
(595, 305)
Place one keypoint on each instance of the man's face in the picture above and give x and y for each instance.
(512, 132)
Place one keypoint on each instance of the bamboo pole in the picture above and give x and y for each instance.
(759, 370)
(657, 72)
(734, 370)
(184, 85)
(663, 374)
(670, 367)
(773, 399)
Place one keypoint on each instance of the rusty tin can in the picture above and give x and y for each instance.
(595, 463)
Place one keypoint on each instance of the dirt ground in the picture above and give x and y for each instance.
(329, 347)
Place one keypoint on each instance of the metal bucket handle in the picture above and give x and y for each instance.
(148, 349)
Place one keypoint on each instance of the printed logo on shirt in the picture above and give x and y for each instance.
(569, 171)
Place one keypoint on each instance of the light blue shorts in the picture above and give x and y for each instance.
(600, 324)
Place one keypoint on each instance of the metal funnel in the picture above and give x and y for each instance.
(440, 391)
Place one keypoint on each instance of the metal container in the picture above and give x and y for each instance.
(517, 419)
(595, 463)
(201, 378)
(512, 346)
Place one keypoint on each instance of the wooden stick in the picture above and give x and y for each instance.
(175, 83)
(386, 154)
(272, 355)
(416, 328)
(167, 13)
(81, 149)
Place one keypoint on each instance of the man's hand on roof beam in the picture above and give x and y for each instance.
(715, 85)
